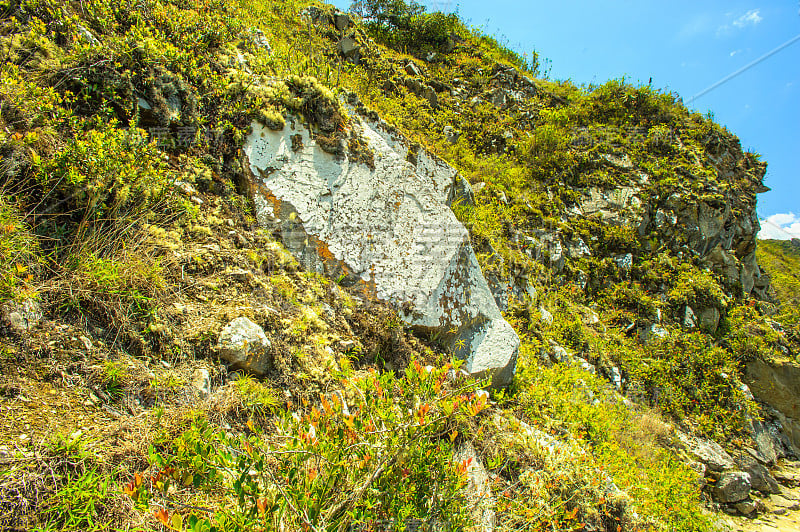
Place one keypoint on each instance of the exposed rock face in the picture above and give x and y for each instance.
(719, 229)
(778, 384)
(244, 345)
(706, 451)
(760, 478)
(386, 225)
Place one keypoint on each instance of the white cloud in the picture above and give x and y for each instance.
(752, 17)
(783, 226)
(735, 52)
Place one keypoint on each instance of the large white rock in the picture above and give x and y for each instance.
(386, 225)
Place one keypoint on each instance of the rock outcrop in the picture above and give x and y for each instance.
(385, 224)
(777, 383)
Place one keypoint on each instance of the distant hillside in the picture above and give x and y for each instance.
(781, 260)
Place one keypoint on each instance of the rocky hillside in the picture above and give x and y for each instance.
(268, 265)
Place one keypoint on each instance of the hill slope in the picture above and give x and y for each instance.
(180, 353)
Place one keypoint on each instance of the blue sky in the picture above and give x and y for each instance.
(685, 47)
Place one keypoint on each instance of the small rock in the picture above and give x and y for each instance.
(558, 353)
(341, 21)
(745, 507)
(706, 451)
(625, 262)
(689, 318)
(733, 487)
(760, 478)
(451, 134)
(616, 377)
(86, 342)
(350, 49)
(545, 315)
(20, 316)
(412, 69)
(709, 319)
(347, 345)
(244, 345)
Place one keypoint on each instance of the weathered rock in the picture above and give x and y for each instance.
(760, 478)
(350, 49)
(745, 507)
(768, 440)
(478, 491)
(653, 332)
(706, 451)
(615, 377)
(689, 318)
(451, 134)
(733, 487)
(341, 21)
(777, 383)
(625, 262)
(244, 345)
(545, 316)
(20, 316)
(429, 94)
(709, 319)
(387, 226)
(412, 69)
(557, 353)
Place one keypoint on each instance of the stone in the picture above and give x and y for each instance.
(760, 478)
(478, 494)
(387, 227)
(625, 262)
(689, 318)
(244, 346)
(201, 380)
(709, 319)
(341, 21)
(412, 69)
(745, 507)
(20, 316)
(429, 94)
(706, 451)
(585, 365)
(545, 316)
(733, 487)
(451, 134)
(616, 377)
(767, 437)
(350, 49)
(558, 353)
(777, 383)
(653, 332)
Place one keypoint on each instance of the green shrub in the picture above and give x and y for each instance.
(384, 455)
(18, 254)
(107, 174)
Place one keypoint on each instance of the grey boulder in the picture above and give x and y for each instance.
(244, 346)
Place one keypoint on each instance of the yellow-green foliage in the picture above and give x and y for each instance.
(781, 260)
(605, 440)
(108, 172)
(18, 253)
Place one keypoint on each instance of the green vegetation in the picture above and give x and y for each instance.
(781, 260)
(125, 211)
